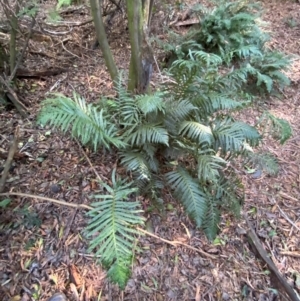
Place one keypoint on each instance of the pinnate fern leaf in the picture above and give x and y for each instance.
(147, 133)
(111, 228)
(196, 131)
(188, 190)
(208, 167)
(85, 121)
(211, 220)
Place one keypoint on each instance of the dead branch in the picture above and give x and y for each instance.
(12, 75)
(280, 282)
(10, 157)
(14, 98)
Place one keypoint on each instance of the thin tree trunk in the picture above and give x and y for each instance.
(102, 38)
(141, 60)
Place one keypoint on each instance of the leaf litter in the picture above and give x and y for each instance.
(42, 250)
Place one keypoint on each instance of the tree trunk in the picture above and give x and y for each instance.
(141, 60)
(102, 38)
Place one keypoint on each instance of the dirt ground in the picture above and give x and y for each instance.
(42, 250)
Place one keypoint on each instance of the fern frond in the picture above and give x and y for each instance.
(147, 133)
(280, 128)
(196, 131)
(135, 161)
(151, 103)
(228, 138)
(245, 51)
(178, 110)
(208, 167)
(218, 102)
(85, 121)
(230, 135)
(264, 79)
(189, 192)
(263, 161)
(120, 271)
(211, 220)
(111, 228)
(228, 192)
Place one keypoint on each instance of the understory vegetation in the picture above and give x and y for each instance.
(184, 136)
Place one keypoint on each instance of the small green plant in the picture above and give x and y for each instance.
(183, 138)
(233, 30)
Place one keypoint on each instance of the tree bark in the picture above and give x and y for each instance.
(141, 60)
(102, 38)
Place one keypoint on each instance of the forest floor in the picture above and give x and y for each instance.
(42, 250)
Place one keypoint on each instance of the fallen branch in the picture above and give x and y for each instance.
(12, 75)
(10, 157)
(278, 281)
(14, 98)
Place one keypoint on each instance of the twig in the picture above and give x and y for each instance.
(286, 196)
(63, 46)
(59, 202)
(288, 219)
(175, 243)
(289, 253)
(279, 281)
(14, 98)
(89, 161)
(10, 157)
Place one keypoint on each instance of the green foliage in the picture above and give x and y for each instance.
(182, 137)
(111, 228)
(278, 127)
(87, 123)
(230, 26)
(233, 31)
(266, 72)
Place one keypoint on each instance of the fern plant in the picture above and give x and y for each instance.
(234, 31)
(181, 137)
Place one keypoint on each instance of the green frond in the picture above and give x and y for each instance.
(120, 271)
(178, 110)
(196, 131)
(111, 227)
(218, 102)
(135, 161)
(251, 135)
(85, 121)
(279, 128)
(229, 193)
(228, 137)
(188, 190)
(152, 103)
(280, 78)
(245, 51)
(208, 167)
(264, 79)
(211, 220)
(147, 133)
(263, 161)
